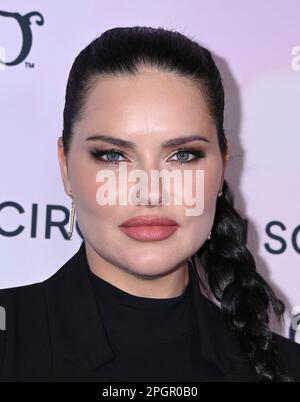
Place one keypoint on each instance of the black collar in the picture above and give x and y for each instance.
(77, 330)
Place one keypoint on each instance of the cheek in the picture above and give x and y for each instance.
(198, 226)
(206, 189)
(212, 181)
(84, 187)
(211, 188)
(206, 184)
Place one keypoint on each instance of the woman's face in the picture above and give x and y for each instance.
(146, 110)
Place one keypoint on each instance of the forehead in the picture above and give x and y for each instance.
(152, 101)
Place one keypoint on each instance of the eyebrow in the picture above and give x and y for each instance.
(131, 145)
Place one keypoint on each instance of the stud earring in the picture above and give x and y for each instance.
(71, 220)
(220, 193)
(209, 236)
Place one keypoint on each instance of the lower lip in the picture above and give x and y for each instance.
(149, 233)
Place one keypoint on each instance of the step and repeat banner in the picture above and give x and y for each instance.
(256, 46)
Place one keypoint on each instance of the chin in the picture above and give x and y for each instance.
(156, 269)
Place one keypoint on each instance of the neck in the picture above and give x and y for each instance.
(166, 285)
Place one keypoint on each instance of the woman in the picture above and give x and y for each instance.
(154, 293)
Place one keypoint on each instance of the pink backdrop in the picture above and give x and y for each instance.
(257, 47)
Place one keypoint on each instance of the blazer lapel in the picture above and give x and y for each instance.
(76, 327)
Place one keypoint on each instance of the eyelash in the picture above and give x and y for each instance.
(97, 154)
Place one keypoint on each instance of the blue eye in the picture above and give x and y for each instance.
(112, 155)
(185, 153)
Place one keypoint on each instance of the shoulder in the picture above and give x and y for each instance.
(26, 341)
(290, 354)
(21, 297)
(289, 351)
(23, 304)
(23, 326)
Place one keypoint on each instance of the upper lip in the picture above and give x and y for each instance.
(149, 220)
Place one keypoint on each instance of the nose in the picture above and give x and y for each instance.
(152, 192)
(153, 199)
(152, 195)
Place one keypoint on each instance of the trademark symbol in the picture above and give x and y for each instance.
(29, 65)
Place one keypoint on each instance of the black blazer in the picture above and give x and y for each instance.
(54, 331)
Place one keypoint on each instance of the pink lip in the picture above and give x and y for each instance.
(149, 228)
(149, 220)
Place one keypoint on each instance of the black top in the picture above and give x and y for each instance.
(153, 339)
(55, 332)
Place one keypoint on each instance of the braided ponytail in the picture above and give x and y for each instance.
(245, 297)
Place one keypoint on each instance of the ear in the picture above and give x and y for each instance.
(63, 166)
